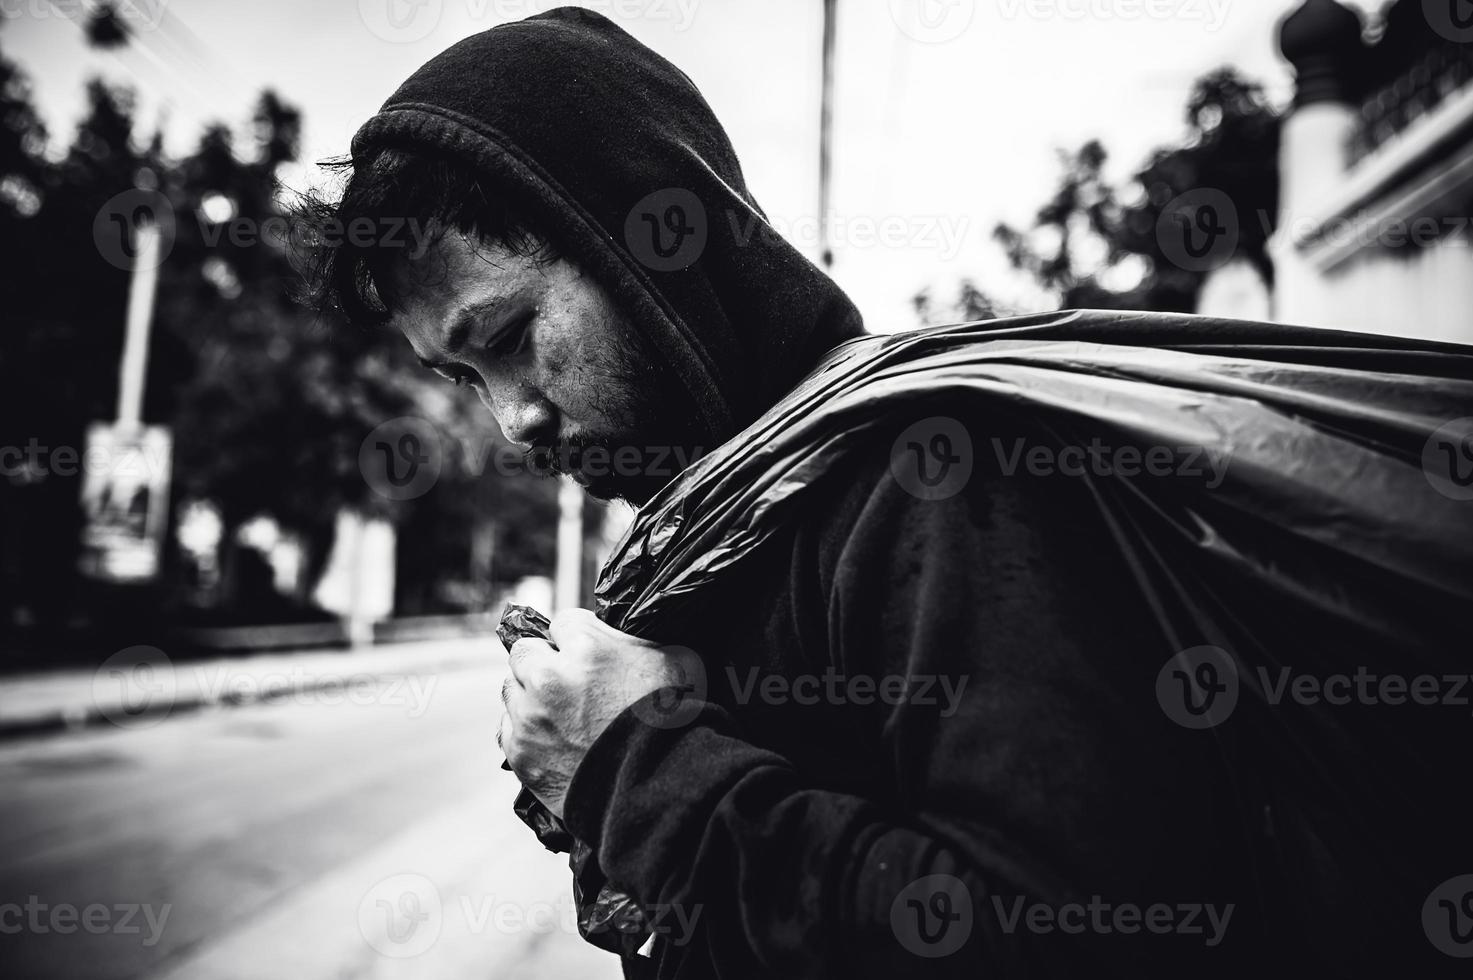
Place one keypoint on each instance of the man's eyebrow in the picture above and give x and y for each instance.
(461, 323)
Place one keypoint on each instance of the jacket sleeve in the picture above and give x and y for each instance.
(1055, 779)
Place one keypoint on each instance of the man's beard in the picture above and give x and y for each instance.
(657, 433)
(630, 468)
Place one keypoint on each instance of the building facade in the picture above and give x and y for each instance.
(1376, 173)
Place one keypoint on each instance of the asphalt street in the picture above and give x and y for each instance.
(347, 833)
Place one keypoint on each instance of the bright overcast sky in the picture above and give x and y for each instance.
(948, 112)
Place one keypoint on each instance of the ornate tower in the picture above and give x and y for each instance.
(1322, 40)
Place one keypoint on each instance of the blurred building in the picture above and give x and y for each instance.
(1376, 171)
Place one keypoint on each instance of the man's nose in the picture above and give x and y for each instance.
(525, 416)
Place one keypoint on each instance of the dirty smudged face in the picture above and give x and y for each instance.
(565, 374)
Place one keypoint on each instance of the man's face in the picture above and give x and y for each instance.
(554, 362)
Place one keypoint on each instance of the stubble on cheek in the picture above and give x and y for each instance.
(594, 374)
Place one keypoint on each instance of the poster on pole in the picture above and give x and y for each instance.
(125, 500)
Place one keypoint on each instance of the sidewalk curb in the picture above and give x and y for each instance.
(76, 718)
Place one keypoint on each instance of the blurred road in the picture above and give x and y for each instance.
(363, 833)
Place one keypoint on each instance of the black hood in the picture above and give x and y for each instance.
(605, 144)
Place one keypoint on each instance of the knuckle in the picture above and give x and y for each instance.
(576, 619)
(543, 679)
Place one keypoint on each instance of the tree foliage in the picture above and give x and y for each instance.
(1090, 235)
(268, 405)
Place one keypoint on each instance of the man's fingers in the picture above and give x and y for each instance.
(571, 626)
(527, 649)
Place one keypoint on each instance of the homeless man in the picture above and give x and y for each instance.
(971, 651)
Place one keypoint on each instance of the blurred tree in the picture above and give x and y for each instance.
(58, 359)
(268, 406)
(105, 29)
(23, 166)
(25, 179)
(971, 303)
(1083, 206)
(271, 419)
(278, 129)
(1091, 250)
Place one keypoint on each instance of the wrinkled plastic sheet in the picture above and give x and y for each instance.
(1326, 434)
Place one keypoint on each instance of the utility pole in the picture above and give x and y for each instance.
(567, 590)
(825, 132)
(126, 502)
(142, 287)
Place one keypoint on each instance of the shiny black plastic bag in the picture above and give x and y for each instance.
(1335, 440)
(1348, 494)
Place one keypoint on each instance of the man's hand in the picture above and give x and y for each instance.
(558, 701)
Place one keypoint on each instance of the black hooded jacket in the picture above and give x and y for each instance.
(620, 160)
(1020, 804)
